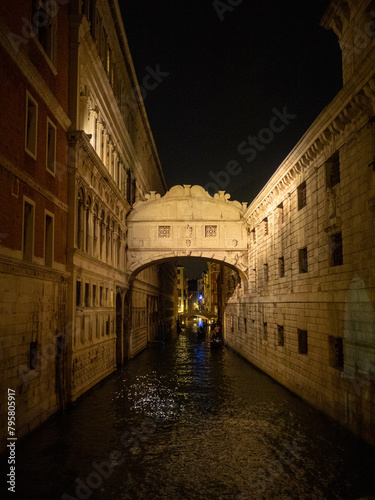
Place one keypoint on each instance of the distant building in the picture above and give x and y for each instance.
(180, 290)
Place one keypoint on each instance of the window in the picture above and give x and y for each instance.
(33, 355)
(245, 324)
(178, 271)
(87, 295)
(280, 335)
(280, 212)
(231, 324)
(31, 125)
(78, 293)
(210, 231)
(94, 295)
(238, 323)
(265, 331)
(336, 352)
(28, 231)
(51, 147)
(101, 296)
(281, 267)
(301, 190)
(302, 341)
(48, 241)
(333, 170)
(302, 260)
(265, 270)
(265, 225)
(164, 231)
(253, 235)
(335, 250)
(44, 25)
(107, 327)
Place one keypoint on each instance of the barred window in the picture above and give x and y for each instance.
(336, 352)
(302, 341)
(301, 190)
(335, 250)
(210, 231)
(164, 231)
(265, 222)
(302, 258)
(265, 270)
(333, 170)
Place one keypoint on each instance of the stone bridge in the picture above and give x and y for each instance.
(187, 222)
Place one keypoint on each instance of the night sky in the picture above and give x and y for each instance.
(220, 77)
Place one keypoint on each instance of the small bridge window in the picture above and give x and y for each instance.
(164, 232)
(210, 231)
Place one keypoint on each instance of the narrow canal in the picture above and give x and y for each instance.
(183, 421)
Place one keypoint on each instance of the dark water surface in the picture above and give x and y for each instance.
(183, 421)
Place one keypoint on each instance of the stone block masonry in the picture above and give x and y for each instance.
(307, 317)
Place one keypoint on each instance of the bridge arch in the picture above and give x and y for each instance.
(187, 222)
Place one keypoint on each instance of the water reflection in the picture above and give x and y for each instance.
(182, 421)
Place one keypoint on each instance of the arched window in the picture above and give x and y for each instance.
(108, 245)
(95, 230)
(80, 219)
(101, 234)
(88, 225)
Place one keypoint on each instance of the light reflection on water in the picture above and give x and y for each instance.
(192, 423)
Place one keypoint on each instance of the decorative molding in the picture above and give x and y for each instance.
(23, 176)
(32, 75)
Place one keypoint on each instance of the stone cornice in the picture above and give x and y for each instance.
(188, 191)
(32, 75)
(23, 176)
(35, 271)
(352, 108)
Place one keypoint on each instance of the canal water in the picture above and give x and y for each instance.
(184, 421)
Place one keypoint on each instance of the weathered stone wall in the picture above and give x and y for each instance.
(33, 310)
(310, 324)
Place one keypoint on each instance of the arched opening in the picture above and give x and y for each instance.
(202, 293)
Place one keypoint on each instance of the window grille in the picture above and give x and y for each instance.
(210, 231)
(301, 190)
(302, 341)
(164, 232)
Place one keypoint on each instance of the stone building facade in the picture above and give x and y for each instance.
(112, 162)
(307, 317)
(76, 153)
